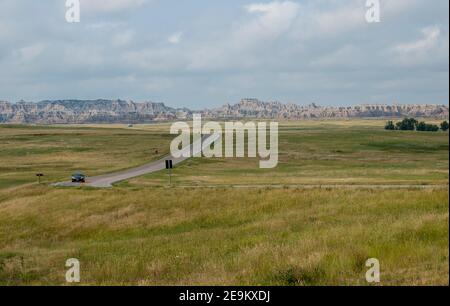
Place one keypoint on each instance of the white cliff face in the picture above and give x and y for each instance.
(119, 111)
(251, 108)
(73, 111)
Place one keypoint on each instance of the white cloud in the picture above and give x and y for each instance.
(430, 50)
(329, 18)
(264, 24)
(175, 38)
(110, 5)
(275, 19)
(31, 52)
(430, 38)
(300, 50)
(340, 20)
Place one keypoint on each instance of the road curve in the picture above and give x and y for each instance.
(107, 180)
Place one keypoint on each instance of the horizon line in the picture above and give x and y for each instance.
(142, 101)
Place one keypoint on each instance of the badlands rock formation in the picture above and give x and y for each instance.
(119, 111)
(74, 111)
(258, 109)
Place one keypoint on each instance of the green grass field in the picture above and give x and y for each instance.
(58, 151)
(206, 231)
(320, 153)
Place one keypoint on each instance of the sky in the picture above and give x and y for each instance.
(205, 53)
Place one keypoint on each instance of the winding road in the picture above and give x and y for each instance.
(107, 180)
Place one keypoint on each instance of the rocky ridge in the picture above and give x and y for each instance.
(121, 111)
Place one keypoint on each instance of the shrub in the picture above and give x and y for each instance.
(408, 124)
(411, 124)
(424, 127)
(390, 126)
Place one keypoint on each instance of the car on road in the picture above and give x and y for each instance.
(78, 178)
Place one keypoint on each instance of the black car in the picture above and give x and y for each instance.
(78, 178)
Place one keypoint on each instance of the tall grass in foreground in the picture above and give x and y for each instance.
(223, 236)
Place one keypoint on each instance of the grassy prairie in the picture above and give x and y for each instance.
(57, 151)
(328, 152)
(142, 232)
(224, 237)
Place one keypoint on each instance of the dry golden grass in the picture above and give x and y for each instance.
(249, 237)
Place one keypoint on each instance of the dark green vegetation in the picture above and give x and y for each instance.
(143, 233)
(411, 124)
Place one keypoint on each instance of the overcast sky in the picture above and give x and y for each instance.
(204, 53)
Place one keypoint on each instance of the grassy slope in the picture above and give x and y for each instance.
(140, 234)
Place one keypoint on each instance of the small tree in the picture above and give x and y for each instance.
(390, 126)
(424, 127)
(432, 128)
(444, 126)
(408, 124)
(421, 126)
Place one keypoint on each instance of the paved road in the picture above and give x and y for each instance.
(106, 181)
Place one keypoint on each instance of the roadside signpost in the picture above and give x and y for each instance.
(169, 167)
(39, 175)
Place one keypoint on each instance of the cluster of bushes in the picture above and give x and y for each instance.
(411, 124)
